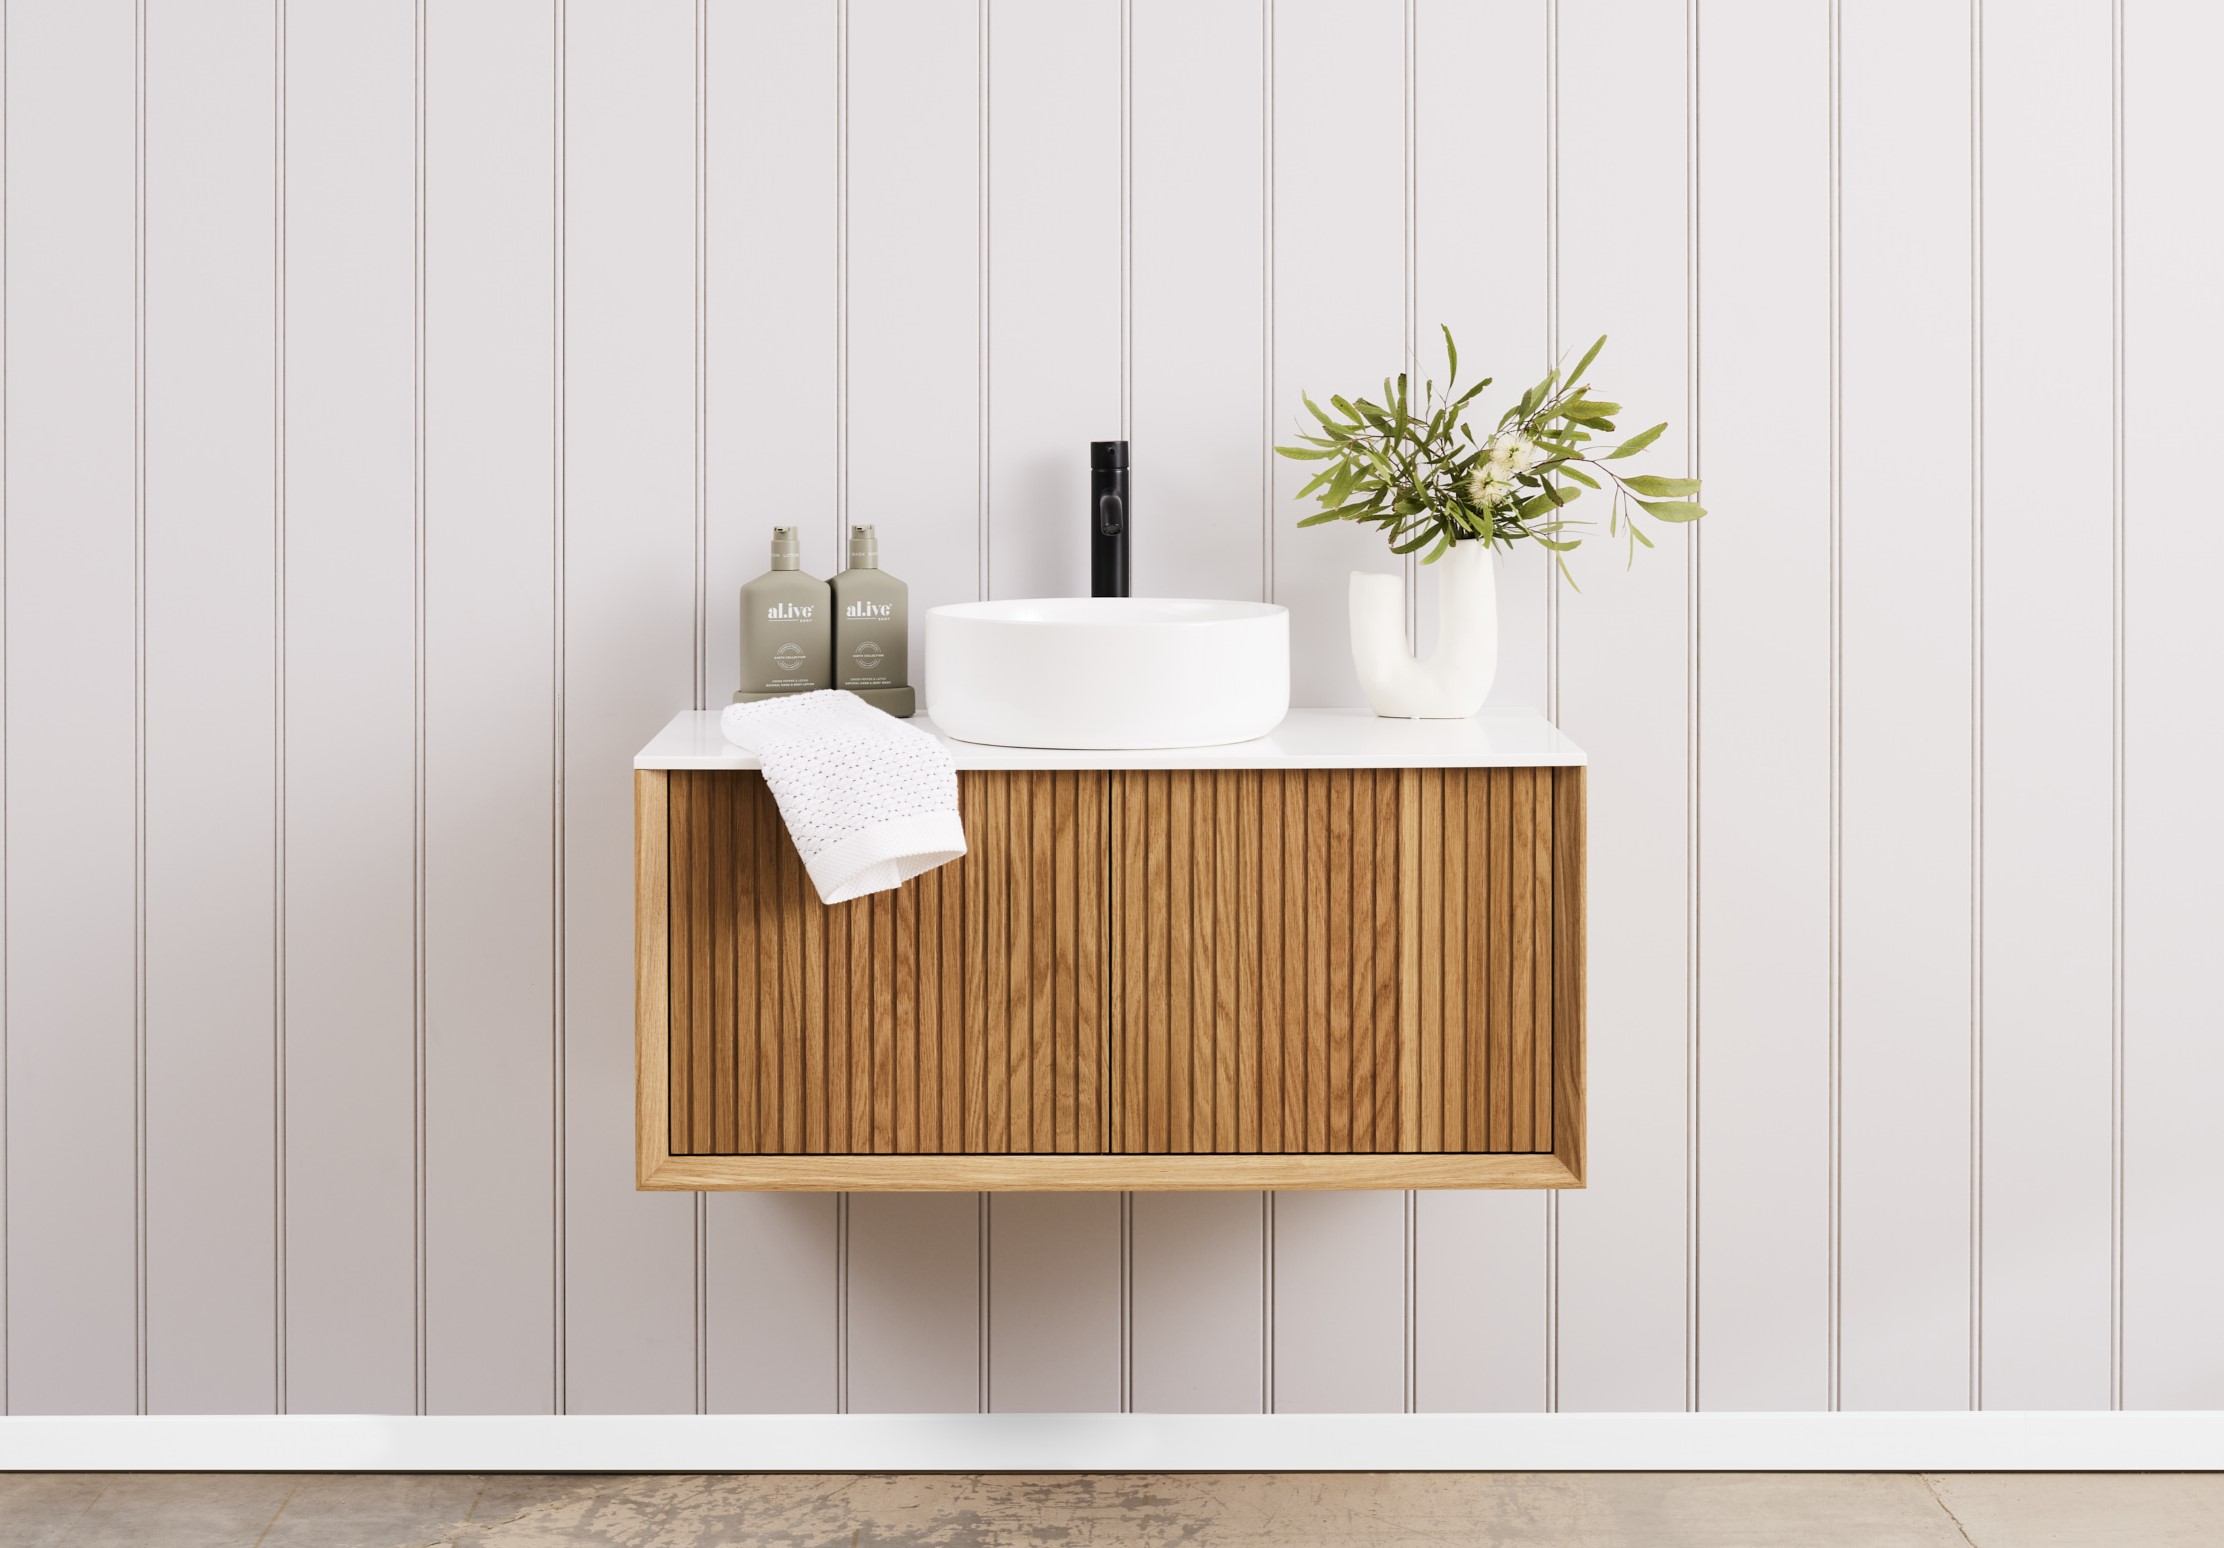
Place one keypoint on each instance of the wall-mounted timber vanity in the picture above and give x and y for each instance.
(1347, 955)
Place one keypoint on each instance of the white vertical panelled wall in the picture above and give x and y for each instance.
(396, 394)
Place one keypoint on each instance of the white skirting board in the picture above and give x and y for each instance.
(1805, 1442)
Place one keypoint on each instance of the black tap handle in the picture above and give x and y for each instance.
(1111, 515)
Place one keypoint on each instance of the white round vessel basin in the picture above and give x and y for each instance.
(1108, 672)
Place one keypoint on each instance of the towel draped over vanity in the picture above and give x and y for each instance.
(869, 801)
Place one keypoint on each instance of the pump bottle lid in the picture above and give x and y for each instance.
(1105, 455)
(787, 552)
(864, 549)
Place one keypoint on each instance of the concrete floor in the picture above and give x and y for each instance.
(1533, 1510)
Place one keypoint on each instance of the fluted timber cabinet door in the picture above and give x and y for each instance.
(1227, 978)
(1337, 961)
(961, 1013)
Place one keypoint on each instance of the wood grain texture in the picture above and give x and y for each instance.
(1569, 971)
(653, 1090)
(1147, 1173)
(1334, 961)
(962, 1011)
(1178, 964)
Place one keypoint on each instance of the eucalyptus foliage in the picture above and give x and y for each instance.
(1428, 480)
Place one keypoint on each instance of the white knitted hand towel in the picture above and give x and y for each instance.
(869, 801)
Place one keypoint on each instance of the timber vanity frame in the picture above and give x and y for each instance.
(1348, 955)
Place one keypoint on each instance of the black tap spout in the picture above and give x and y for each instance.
(1110, 519)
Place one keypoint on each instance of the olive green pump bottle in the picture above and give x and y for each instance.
(786, 635)
(872, 629)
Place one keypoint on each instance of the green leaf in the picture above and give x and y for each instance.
(1636, 443)
(1653, 484)
(1577, 474)
(1567, 574)
(1413, 544)
(1451, 353)
(1437, 552)
(1589, 355)
(1325, 475)
(1362, 510)
(1673, 510)
(1318, 517)
(1638, 533)
(1345, 407)
(1580, 410)
(1308, 453)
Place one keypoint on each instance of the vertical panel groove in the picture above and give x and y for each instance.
(1043, 1069)
(2116, 791)
(419, 1312)
(1266, 342)
(1337, 832)
(559, 1209)
(1693, 751)
(1358, 897)
(1227, 950)
(1273, 1015)
(278, 711)
(139, 706)
(984, 189)
(1294, 961)
(1181, 941)
(1457, 1022)
(1469, 944)
(1835, 1314)
(1389, 932)
(1524, 882)
(1427, 874)
(994, 796)
(1200, 850)
(1977, 701)
(1317, 955)
(6, 1292)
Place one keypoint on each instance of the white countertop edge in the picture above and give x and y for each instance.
(1509, 737)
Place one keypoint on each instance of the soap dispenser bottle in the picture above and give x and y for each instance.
(786, 627)
(871, 629)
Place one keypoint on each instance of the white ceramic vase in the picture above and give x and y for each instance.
(1452, 683)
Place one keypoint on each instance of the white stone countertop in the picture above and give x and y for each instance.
(1498, 738)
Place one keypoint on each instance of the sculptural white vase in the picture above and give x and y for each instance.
(1453, 682)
